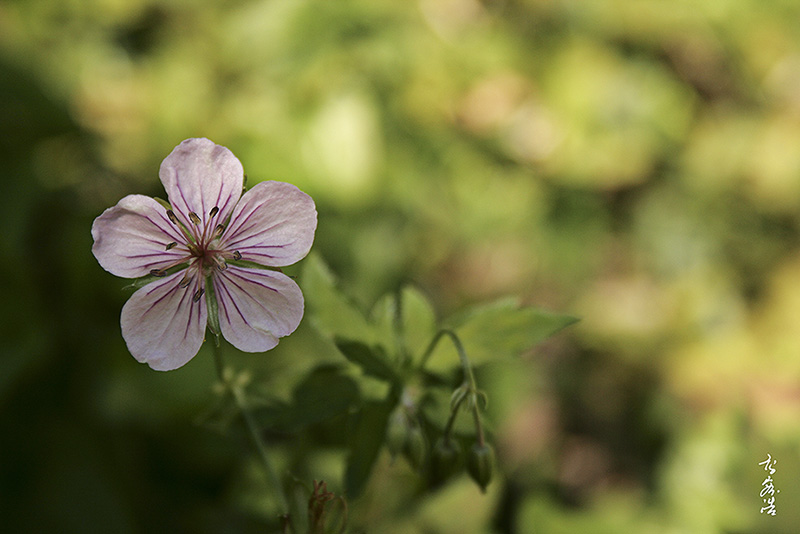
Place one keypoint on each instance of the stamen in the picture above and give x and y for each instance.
(158, 272)
(198, 294)
(237, 255)
(184, 283)
(172, 245)
(214, 211)
(172, 217)
(194, 218)
(220, 263)
(218, 230)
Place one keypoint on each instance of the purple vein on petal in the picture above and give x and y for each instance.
(244, 236)
(139, 235)
(245, 216)
(186, 206)
(181, 305)
(168, 228)
(233, 303)
(192, 304)
(228, 277)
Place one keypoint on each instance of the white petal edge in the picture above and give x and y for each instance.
(256, 307)
(198, 176)
(130, 239)
(273, 225)
(162, 325)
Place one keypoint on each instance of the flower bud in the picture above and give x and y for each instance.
(445, 459)
(479, 464)
(396, 432)
(415, 448)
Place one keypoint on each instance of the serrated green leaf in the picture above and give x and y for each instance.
(500, 329)
(372, 359)
(332, 313)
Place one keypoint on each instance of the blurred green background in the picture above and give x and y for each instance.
(634, 163)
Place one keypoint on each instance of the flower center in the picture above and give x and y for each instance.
(201, 244)
(203, 256)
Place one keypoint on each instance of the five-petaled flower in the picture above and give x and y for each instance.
(208, 253)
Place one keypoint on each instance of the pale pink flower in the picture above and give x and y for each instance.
(208, 251)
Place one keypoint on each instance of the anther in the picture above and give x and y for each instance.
(172, 245)
(198, 294)
(237, 255)
(218, 230)
(172, 217)
(220, 263)
(194, 218)
(184, 283)
(214, 211)
(158, 272)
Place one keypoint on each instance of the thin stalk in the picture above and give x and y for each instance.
(469, 381)
(237, 394)
(462, 355)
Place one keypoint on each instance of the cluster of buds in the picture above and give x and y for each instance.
(405, 431)
(404, 434)
(446, 457)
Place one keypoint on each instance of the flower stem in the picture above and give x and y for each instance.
(469, 385)
(462, 355)
(236, 391)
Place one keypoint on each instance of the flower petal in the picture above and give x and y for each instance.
(131, 238)
(272, 225)
(256, 307)
(162, 324)
(199, 176)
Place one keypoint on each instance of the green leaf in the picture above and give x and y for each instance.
(332, 313)
(366, 440)
(372, 359)
(501, 329)
(417, 324)
(322, 395)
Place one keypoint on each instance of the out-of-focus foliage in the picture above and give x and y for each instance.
(635, 163)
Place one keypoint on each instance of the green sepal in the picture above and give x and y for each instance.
(396, 432)
(163, 202)
(213, 310)
(144, 280)
(416, 446)
(445, 460)
(480, 462)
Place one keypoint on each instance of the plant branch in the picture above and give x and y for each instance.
(236, 391)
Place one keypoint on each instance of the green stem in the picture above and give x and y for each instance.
(469, 380)
(237, 394)
(462, 355)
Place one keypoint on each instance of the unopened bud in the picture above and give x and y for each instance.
(396, 432)
(480, 462)
(415, 448)
(445, 460)
(458, 396)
